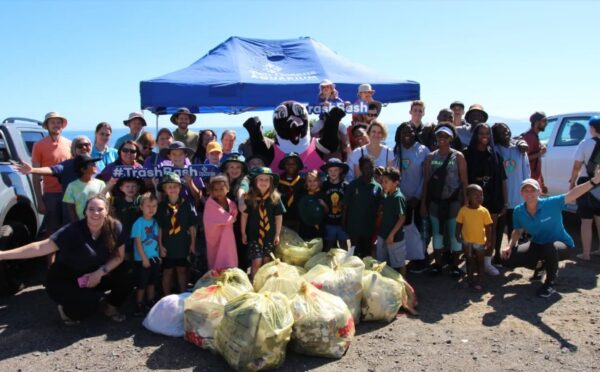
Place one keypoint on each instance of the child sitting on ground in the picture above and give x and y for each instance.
(177, 233)
(391, 246)
(312, 208)
(474, 229)
(146, 256)
(220, 213)
(262, 218)
(334, 188)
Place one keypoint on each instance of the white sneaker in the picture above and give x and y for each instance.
(489, 268)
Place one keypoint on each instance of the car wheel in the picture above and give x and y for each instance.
(12, 273)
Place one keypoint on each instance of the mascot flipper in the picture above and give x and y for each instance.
(290, 120)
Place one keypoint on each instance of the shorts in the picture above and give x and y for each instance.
(474, 247)
(171, 263)
(257, 251)
(146, 276)
(394, 254)
(53, 219)
(335, 232)
(587, 205)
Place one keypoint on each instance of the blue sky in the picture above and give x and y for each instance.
(85, 59)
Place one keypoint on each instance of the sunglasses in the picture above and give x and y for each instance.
(372, 115)
(82, 145)
(129, 151)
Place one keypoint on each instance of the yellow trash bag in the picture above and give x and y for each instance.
(323, 325)
(382, 296)
(343, 279)
(203, 311)
(295, 251)
(232, 276)
(325, 258)
(284, 285)
(409, 296)
(275, 267)
(255, 331)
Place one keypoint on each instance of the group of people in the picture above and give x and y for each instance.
(459, 184)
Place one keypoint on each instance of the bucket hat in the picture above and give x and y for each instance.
(234, 157)
(183, 111)
(52, 115)
(264, 171)
(335, 162)
(291, 155)
(177, 145)
(473, 109)
(135, 115)
(169, 178)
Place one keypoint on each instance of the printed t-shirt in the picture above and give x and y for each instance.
(78, 193)
(147, 232)
(334, 197)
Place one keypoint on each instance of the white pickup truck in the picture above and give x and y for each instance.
(561, 137)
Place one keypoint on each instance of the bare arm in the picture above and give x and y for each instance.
(37, 188)
(72, 212)
(462, 173)
(426, 170)
(574, 173)
(397, 226)
(243, 224)
(488, 235)
(192, 232)
(514, 239)
(35, 249)
(278, 223)
(110, 265)
(459, 231)
(26, 168)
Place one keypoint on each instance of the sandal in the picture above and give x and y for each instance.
(582, 257)
(596, 252)
(114, 314)
(65, 319)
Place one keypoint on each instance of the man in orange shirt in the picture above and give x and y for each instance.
(49, 151)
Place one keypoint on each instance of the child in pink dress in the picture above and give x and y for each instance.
(220, 214)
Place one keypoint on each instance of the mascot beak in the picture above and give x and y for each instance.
(295, 125)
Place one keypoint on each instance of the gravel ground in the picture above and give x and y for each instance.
(505, 328)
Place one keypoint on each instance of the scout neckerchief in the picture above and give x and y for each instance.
(289, 192)
(173, 209)
(263, 222)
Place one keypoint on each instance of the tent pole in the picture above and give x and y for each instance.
(156, 133)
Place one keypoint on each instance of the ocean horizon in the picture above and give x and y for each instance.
(517, 127)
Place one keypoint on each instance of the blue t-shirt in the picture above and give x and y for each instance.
(516, 167)
(411, 166)
(547, 224)
(147, 231)
(107, 156)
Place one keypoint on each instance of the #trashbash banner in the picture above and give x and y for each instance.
(196, 170)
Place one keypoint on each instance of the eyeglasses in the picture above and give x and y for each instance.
(129, 151)
(82, 145)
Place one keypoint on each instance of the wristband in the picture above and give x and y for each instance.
(104, 270)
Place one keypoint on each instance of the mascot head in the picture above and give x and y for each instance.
(290, 120)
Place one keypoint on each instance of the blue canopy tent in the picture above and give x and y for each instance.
(251, 74)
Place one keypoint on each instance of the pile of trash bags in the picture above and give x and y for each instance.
(313, 308)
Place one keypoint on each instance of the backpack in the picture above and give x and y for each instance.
(594, 160)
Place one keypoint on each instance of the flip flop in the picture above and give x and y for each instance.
(596, 252)
(582, 258)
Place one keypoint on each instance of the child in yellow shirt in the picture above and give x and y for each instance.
(474, 230)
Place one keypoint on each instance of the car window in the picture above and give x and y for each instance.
(572, 131)
(4, 155)
(29, 138)
(545, 135)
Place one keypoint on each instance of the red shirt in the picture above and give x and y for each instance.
(533, 141)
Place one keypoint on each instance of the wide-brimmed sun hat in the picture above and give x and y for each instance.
(363, 88)
(291, 155)
(234, 157)
(335, 162)
(264, 171)
(52, 115)
(474, 109)
(177, 145)
(183, 111)
(135, 115)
